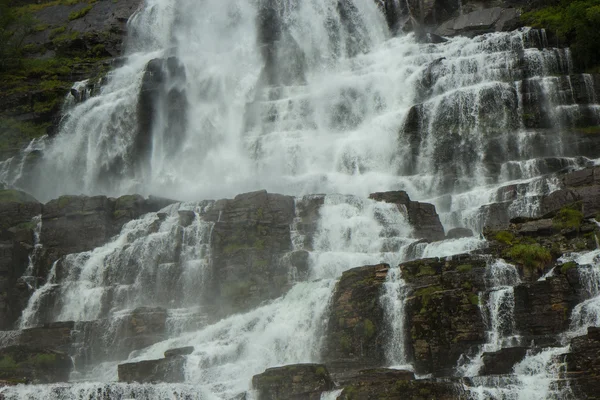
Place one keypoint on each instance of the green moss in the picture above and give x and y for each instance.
(504, 237)
(43, 359)
(574, 22)
(568, 218)
(64, 201)
(426, 270)
(531, 256)
(589, 130)
(464, 268)
(80, 13)
(473, 299)
(15, 196)
(345, 342)
(467, 285)
(369, 328)
(567, 266)
(7, 362)
(321, 371)
(57, 31)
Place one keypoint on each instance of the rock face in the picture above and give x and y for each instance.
(169, 370)
(486, 20)
(250, 236)
(356, 330)
(69, 224)
(583, 364)
(442, 314)
(17, 211)
(70, 43)
(422, 216)
(23, 363)
(294, 382)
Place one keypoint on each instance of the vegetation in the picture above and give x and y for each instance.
(504, 237)
(574, 23)
(568, 218)
(530, 256)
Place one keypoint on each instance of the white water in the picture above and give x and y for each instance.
(335, 126)
(393, 300)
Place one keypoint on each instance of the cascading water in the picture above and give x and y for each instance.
(497, 308)
(218, 98)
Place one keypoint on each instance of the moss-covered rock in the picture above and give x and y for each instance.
(34, 365)
(356, 330)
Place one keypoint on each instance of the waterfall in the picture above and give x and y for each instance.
(497, 309)
(216, 98)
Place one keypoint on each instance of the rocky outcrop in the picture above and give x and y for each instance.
(394, 384)
(169, 370)
(422, 216)
(26, 364)
(250, 236)
(356, 330)
(495, 19)
(66, 42)
(294, 382)
(581, 187)
(442, 314)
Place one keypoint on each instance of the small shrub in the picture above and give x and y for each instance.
(531, 256)
(568, 218)
(504, 237)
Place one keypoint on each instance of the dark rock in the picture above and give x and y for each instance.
(393, 384)
(297, 382)
(422, 216)
(542, 308)
(186, 218)
(442, 313)
(168, 370)
(34, 365)
(502, 362)
(486, 20)
(250, 236)
(495, 215)
(540, 227)
(56, 335)
(458, 233)
(182, 351)
(355, 333)
(583, 365)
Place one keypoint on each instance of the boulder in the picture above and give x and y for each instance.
(182, 351)
(458, 233)
(422, 216)
(293, 382)
(485, 20)
(355, 337)
(168, 370)
(502, 362)
(19, 363)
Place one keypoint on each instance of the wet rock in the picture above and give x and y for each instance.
(298, 382)
(485, 20)
(542, 227)
(182, 351)
(458, 233)
(250, 237)
(186, 217)
(34, 365)
(422, 216)
(355, 336)
(442, 311)
(55, 335)
(542, 308)
(168, 370)
(394, 384)
(502, 362)
(583, 365)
